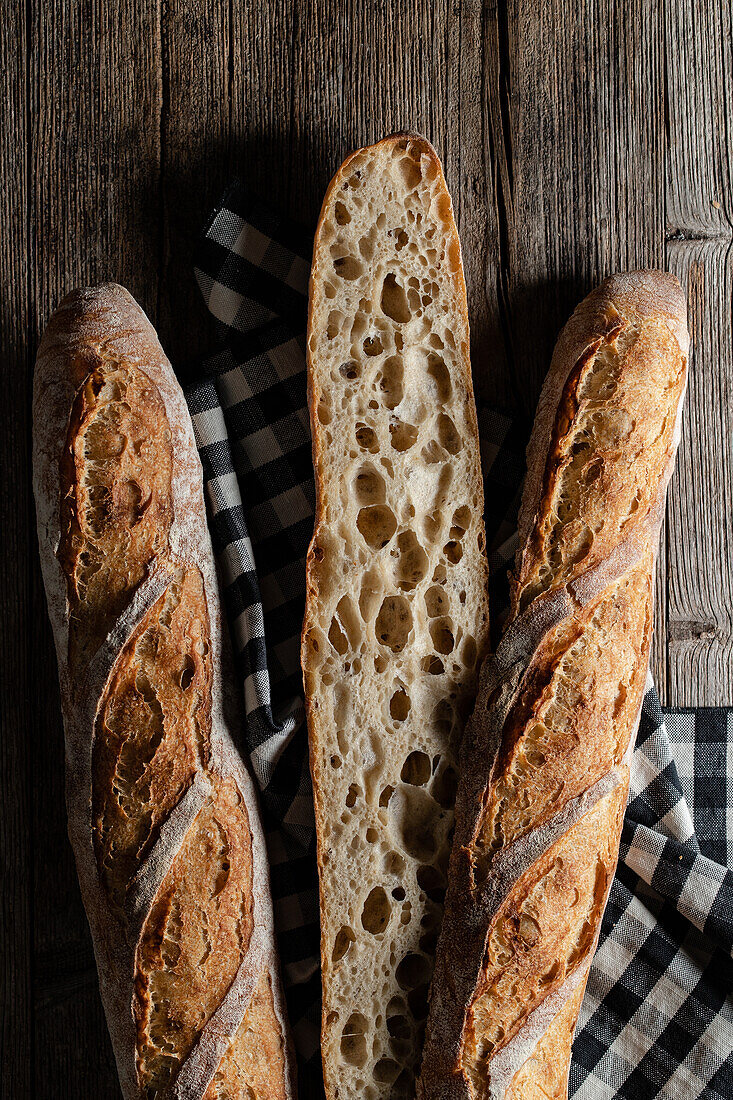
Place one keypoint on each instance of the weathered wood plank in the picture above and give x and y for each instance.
(263, 152)
(700, 512)
(582, 191)
(16, 552)
(476, 115)
(584, 161)
(197, 159)
(95, 87)
(699, 643)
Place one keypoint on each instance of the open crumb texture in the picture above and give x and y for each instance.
(397, 617)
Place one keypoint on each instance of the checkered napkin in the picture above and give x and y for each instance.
(657, 1019)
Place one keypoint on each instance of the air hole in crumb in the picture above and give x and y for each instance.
(432, 882)
(377, 525)
(373, 346)
(453, 551)
(398, 893)
(370, 598)
(334, 324)
(402, 436)
(348, 267)
(337, 637)
(372, 835)
(366, 437)
(442, 634)
(415, 817)
(350, 370)
(344, 939)
(432, 665)
(416, 769)
(385, 796)
(353, 794)
(398, 1025)
(440, 375)
(469, 651)
(343, 217)
(366, 245)
(431, 452)
(390, 380)
(369, 487)
(410, 172)
(417, 999)
(429, 941)
(376, 912)
(462, 518)
(413, 971)
(385, 1071)
(394, 300)
(394, 623)
(412, 561)
(448, 434)
(436, 601)
(335, 761)
(394, 864)
(399, 705)
(432, 524)
(445, 786)
(353, 1040)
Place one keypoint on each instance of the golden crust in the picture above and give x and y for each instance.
(549, 742)
(162, 813)
(152, 730)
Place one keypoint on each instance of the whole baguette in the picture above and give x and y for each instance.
(162, 814)
(545, 764)
(396, 615)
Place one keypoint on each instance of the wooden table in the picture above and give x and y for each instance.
(578, 138)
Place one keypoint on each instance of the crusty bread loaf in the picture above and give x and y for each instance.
(545, 765)
(396, 616)
(163, 817)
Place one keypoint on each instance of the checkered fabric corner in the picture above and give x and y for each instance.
(657, 1018)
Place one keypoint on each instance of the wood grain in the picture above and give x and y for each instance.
(577, 139)
(17, 561)
(699, 212)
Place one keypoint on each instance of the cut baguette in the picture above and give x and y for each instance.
(397, 611)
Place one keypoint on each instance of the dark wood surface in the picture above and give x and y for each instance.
(578, 138)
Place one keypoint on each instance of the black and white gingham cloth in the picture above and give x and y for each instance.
(657, 1018)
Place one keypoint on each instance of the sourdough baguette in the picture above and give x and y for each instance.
(396, 617)
(162, 814)
(545, 767)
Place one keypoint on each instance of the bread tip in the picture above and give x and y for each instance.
(652, 292)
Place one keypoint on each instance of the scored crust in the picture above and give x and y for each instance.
(396, 618)
(549, 744)
(162, 814)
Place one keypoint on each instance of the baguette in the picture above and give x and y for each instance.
(162, 814)
(396, 616)
(545, 768)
